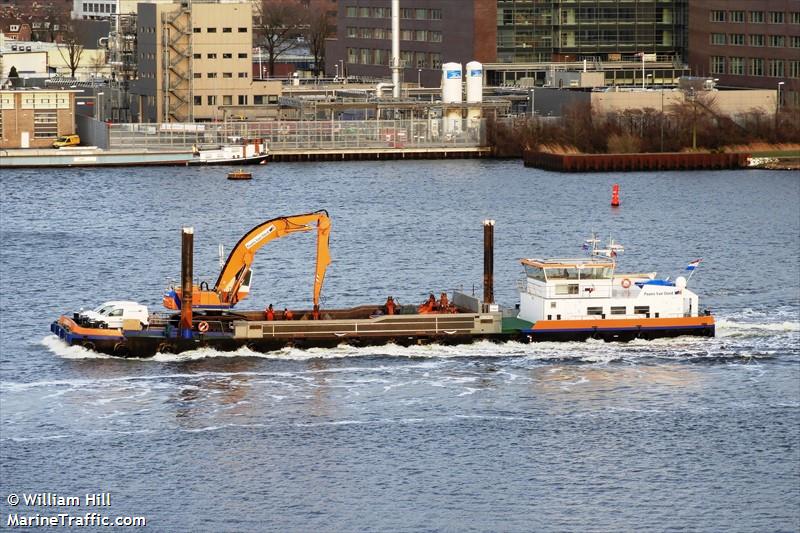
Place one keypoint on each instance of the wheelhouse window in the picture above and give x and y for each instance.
(641, 310)
(534, 273)
(594, 310)
(569, 288)
(618, 310)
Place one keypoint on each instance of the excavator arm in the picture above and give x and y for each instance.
(236, 271)
(237, 267)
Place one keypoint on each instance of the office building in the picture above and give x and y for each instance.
(431, 33)
(748, 43)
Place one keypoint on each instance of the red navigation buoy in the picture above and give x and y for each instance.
(615, 195)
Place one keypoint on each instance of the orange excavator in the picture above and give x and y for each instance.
(233, 283)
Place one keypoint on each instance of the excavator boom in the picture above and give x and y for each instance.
(236, 270)
(237, 266)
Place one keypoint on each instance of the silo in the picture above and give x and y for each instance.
(452, 93)
(451, 83)
(474, 75)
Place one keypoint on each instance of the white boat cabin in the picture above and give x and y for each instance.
(589, 289)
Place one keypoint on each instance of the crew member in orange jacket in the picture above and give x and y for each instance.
(390, 306)
(270, 313)
(315, 312)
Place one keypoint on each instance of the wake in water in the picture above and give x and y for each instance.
(747, 334)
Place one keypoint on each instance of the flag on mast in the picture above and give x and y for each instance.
(694, 264)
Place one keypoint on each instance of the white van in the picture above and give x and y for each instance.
(111, 314)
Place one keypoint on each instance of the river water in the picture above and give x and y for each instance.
(686, 433)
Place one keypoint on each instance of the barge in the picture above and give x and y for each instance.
(560, 300)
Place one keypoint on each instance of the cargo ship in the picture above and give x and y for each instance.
(560, 300)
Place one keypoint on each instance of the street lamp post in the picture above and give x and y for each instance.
(99, 106)
(419, 76)
(662, 117)
(778, 105)
(337, 72)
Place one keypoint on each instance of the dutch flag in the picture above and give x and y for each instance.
(694, 264)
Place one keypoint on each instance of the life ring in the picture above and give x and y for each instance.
(202, 327)
(202, 283)
(626, 283)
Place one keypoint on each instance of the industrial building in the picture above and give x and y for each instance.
(33, 118)
(748, 43)
(508, 32)
(194, 62)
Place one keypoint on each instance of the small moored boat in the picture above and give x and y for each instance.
(240, 175)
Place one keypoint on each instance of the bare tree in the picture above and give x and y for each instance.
(319, 25)
(279, 24)
(71, 48)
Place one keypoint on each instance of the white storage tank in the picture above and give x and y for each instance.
(474, 75)
(451, 83)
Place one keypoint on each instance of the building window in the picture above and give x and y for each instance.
(211, 30)
(243, 55)
(212, 56)
(757, 17)
(242, 30)
(227, 74)
(776, 17)
(211, 99)
(227, 30)
(436, 60)
(421, 14)
(435, 36)
(776, 68)
(717, 16)
(196, 56)
(227, 100)
(736, 66)
(258, 99)
(406, 35)
(227, 56)
(352, 32)
(212, 74)
(794, 69)
(717, 65)
(756, 66)
(421, 35)
(794, 17)
(197, 75)
(243, 74)
(242, 99)
(777, 41)
(198, 100)
(363, 12)
(352, 55)
(406, 13)
(45, 124)
(352, 12)
(621, 310)
(795, 41)
(436, 14)
(756, 40)
(718, 38)
(736, 16)
(196, 30)
(736, 39)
